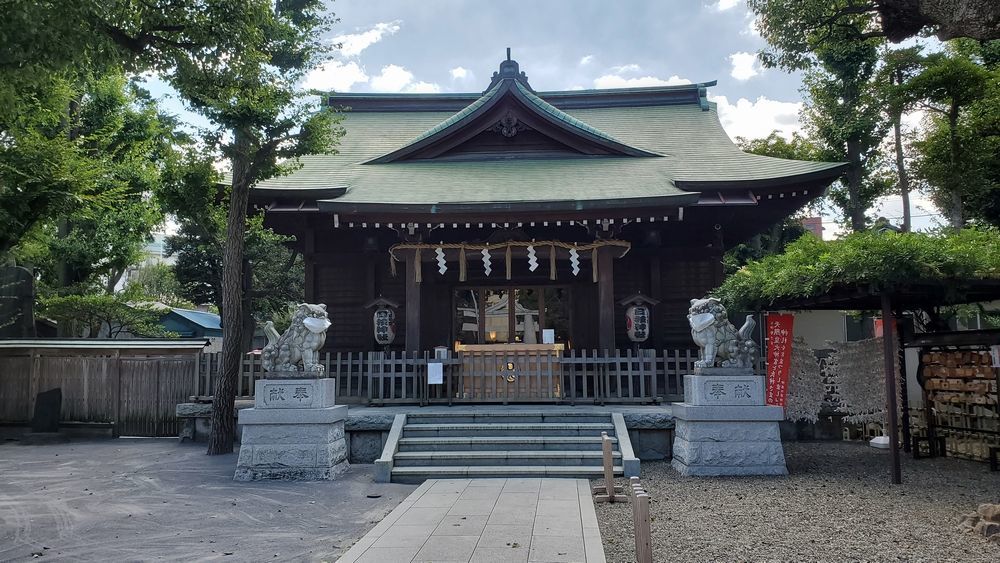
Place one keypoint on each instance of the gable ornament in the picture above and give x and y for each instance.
(508, 126)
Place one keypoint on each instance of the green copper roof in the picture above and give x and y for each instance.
(696, 154)
(516, 88)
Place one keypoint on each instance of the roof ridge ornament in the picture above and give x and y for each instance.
(509, 70)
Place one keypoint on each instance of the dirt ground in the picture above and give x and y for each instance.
(155, 499)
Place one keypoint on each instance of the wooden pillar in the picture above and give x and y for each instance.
(605, 299)
(890, 386)
(309, 260)
(412, 304)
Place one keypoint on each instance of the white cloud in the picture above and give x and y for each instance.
(422, 88)
(758, 119)
(336, 76)
(743, 65)
(459, 73)
(586, 60)
(723, 5)
(632, 67)
(615, 81)
(394, 78)
(352, 44)
(751, 28)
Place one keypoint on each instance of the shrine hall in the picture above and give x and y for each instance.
(516, 220)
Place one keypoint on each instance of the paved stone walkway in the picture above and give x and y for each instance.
(487, 520)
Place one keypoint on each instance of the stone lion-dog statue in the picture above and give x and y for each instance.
(300, 343)
(718, 339)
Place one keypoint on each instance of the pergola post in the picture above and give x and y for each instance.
(889, 354)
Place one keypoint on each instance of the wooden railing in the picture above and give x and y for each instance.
(575, 376)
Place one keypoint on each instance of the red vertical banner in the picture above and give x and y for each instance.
(779, 356)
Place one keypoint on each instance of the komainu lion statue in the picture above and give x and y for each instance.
(718, 338)
(300, 343)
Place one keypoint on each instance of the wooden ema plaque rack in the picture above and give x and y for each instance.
(961, 409)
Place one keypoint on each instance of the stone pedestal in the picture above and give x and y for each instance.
(294, 431)
(724, 428)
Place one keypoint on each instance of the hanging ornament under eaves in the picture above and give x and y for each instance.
(532, 259)
(574, 261)
(442, 264)
(487, 261)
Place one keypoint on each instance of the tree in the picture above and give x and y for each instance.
(94, 316)
(247, 89)
(156, 282)
(899, 67)
(842, 111)
(85, 243)
(896, 20)
(953, 152)
(195, 196)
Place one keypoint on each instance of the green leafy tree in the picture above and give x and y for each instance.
(893, 80)
(895, 20)
(959, 149)
(195, 197)
(842, 111)
(119, 138)
(247, 89)
(156, 282)
(104, 315)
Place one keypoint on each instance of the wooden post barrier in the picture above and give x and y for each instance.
(641, 522)
(607, 492)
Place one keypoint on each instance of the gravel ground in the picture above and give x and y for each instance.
(835, 505)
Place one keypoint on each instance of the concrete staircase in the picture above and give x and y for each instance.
(473, 444)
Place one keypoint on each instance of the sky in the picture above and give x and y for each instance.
(455, 46)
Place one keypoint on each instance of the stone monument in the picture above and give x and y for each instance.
(294, 430)
(723, 426)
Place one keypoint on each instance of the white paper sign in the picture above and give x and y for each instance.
(435, 373)
(548, 336)
(995, 353)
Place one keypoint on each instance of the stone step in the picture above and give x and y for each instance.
(501, 417)
(502, 457)
(477, 443)
(417, 474)
(509, 429)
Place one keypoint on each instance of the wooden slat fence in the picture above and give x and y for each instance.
(136, 394)
(575, 376)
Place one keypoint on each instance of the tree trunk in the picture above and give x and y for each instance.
(904, 180)
(223, 426)
(855, 211)
(955, 214)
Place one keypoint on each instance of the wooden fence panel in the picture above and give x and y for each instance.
(139, 403)
(174, 387)
(15, 380)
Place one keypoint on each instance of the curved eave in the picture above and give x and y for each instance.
(539, 108)
(677, 200)
(828, 174)
(281, 194)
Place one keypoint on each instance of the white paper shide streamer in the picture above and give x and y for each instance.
(487, 261)
(574, 261)
(442, 264)
(532, 259)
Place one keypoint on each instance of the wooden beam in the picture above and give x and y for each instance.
(412, 304)
(605, 299)
(890, 386)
